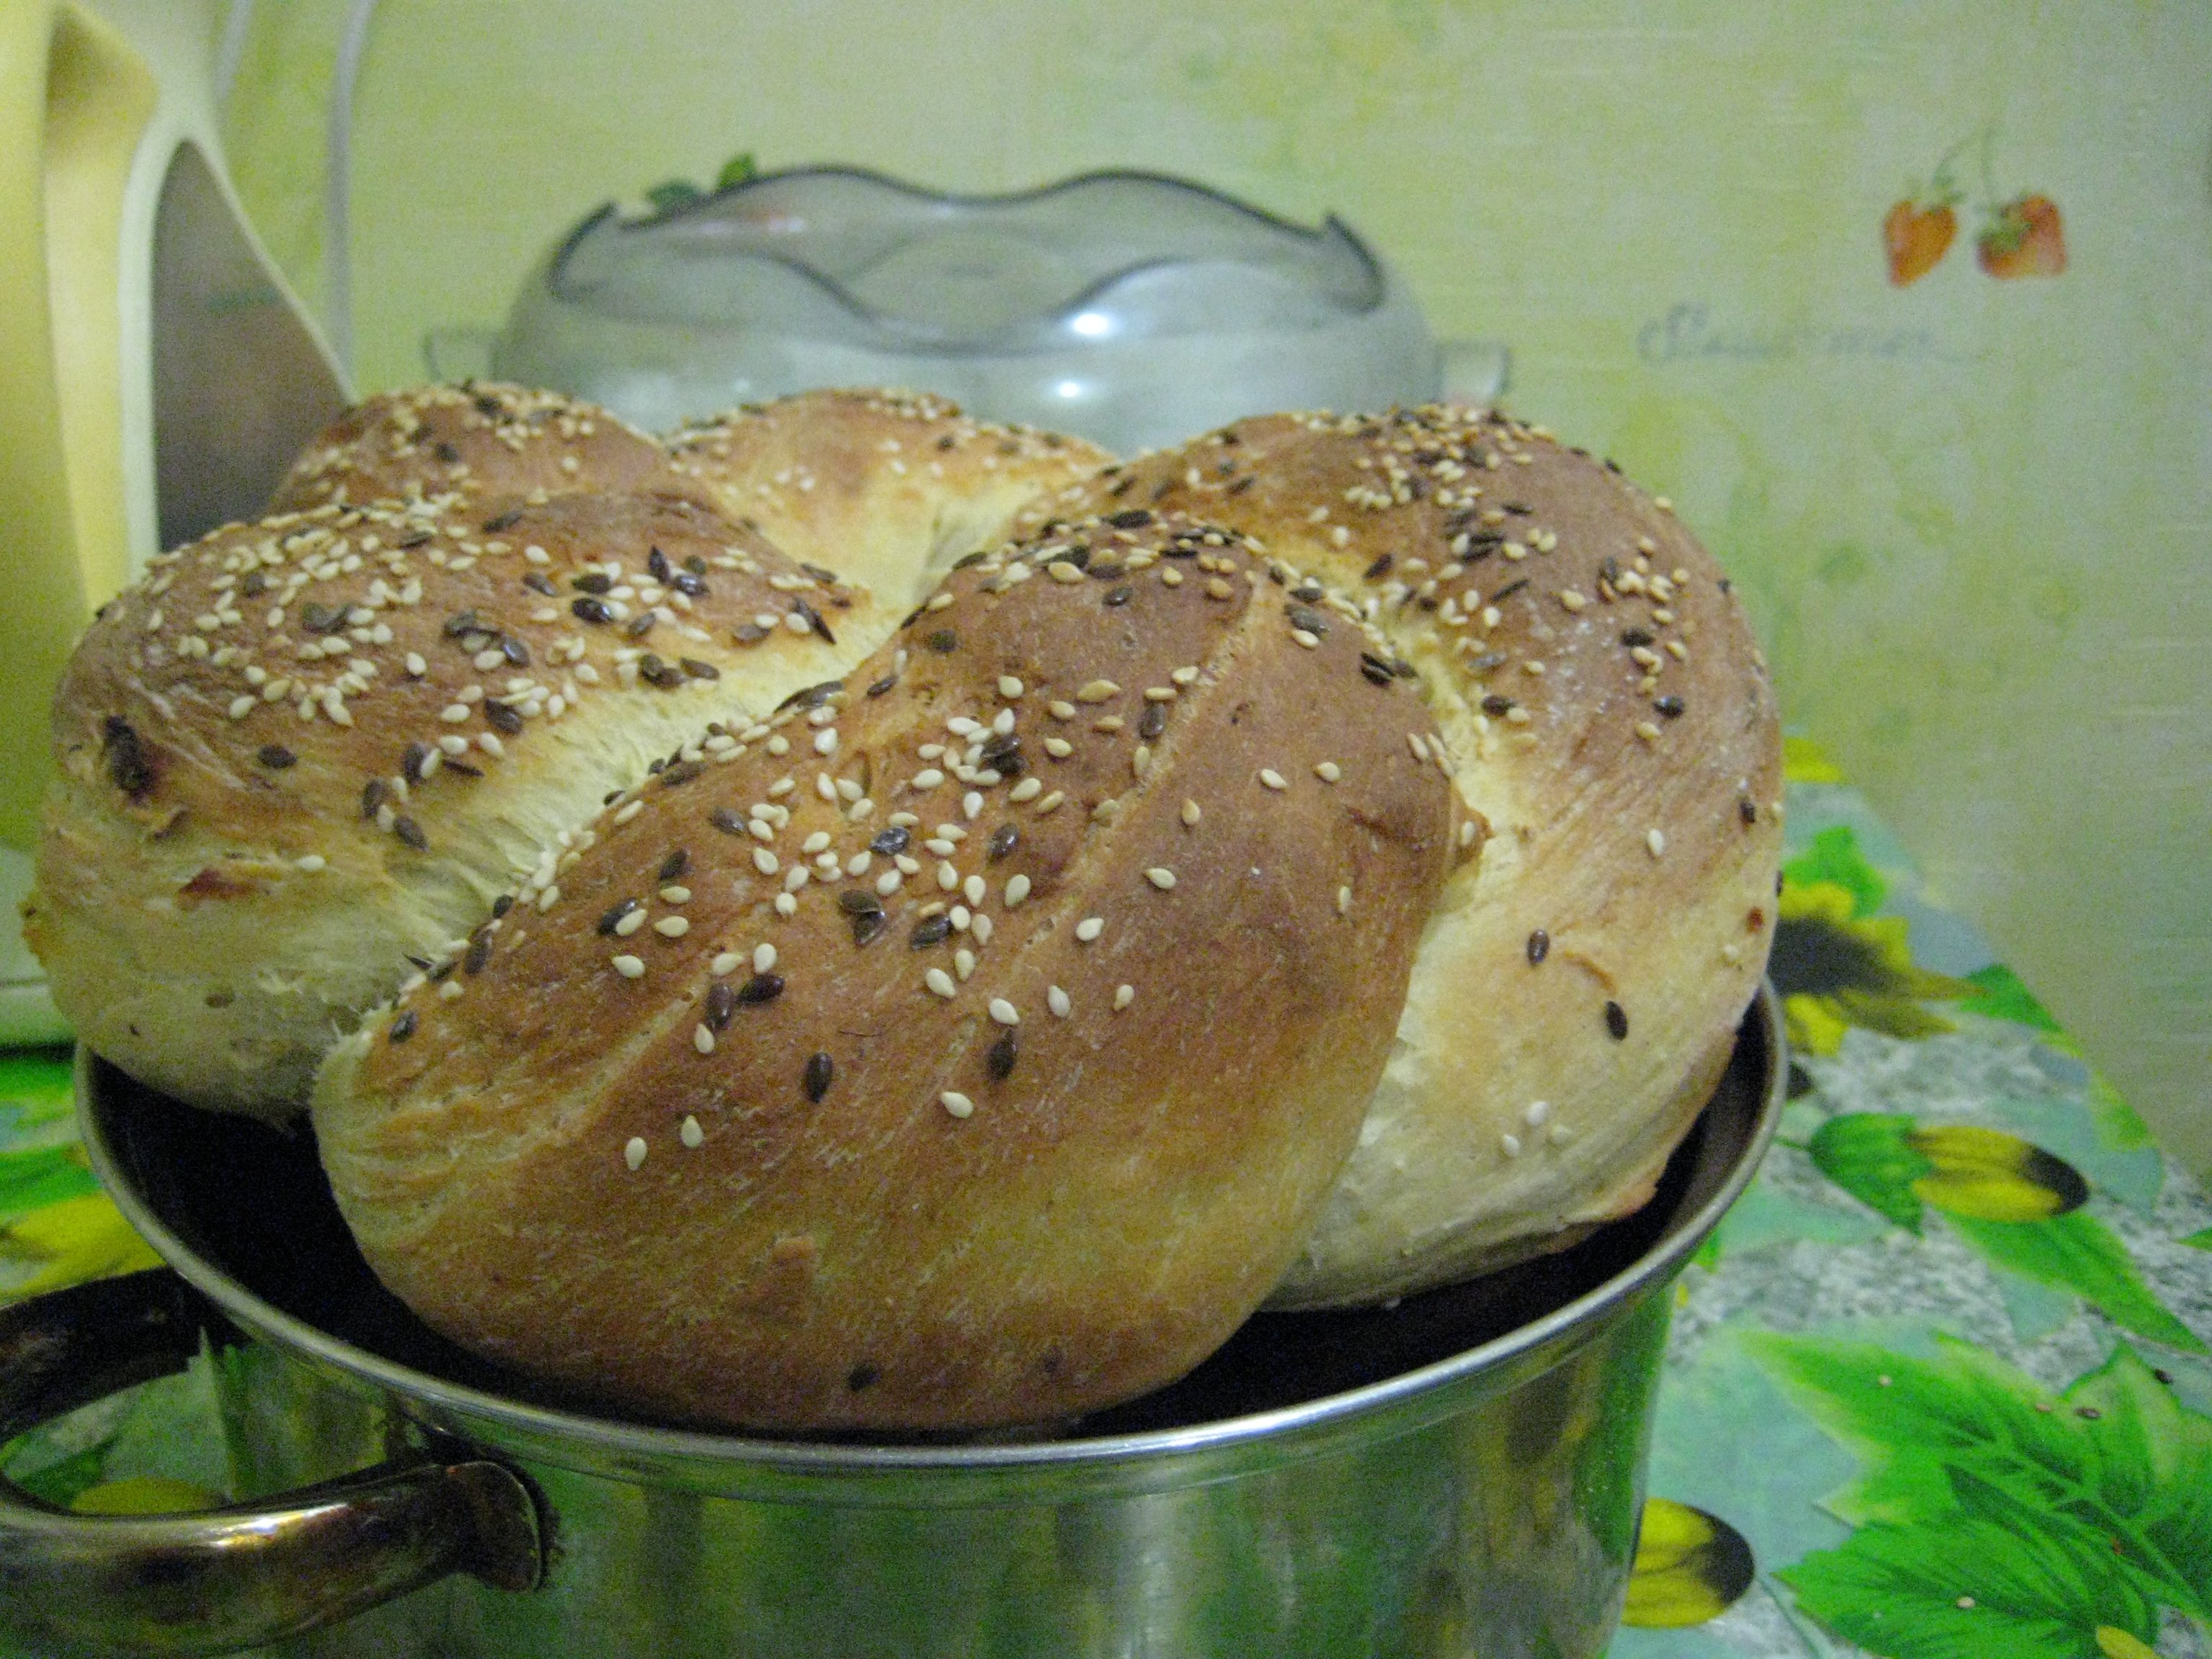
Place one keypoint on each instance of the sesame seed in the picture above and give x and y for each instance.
(785, 905)
(702, 1039)
(1655, 841)
(1004, 1012)
(727, 961)
(1090, 927)
(964, 963)
(1272, 777)
(629, 967)
(691, 1134)
(1017, 890)
(974, 888)
(1123, 996)
(1510, 1145)
(1009, 687)
(1190, 813)
(1344, 901)
(1160, 876)
(628, 922)
(1096, 691)
(957, 1103)
(940, 981)
(764, 862)
(1536, 1112)
(1061, 710)
(971, 806)
(1058, 1001)
(634, 1152)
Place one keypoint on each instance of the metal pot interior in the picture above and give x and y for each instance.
(242, 1209)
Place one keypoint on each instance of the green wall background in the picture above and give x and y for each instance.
(1973, 517)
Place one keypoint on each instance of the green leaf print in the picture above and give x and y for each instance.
(2076, 1252)
(42, 1175)
(1973, 1590)
(2003, 995)
(1866, 1154)
(36, 1087)
(2055, 1517)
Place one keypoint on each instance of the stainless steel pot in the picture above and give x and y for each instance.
(1459, 1474)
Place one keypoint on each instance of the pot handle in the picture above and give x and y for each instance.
(239, 1576)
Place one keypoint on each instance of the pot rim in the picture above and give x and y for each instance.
(636, 1443)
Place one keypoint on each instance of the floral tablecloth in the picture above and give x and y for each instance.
(1939, 1387)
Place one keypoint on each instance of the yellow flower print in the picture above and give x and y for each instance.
(77, 1239)
(1690, 1567)
(1836, 969)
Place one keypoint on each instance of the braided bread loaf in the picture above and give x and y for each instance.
(1321, 861)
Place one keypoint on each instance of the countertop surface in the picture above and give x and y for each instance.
(1938, 1388)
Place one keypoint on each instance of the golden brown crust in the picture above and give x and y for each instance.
(888, 487)
(754, 1125)
(1609, 716)
(471, 444)
(300, 750)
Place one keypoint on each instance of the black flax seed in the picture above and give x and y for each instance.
(721, 1004)
(820, 1069)
(1539, 946)
(1616, 1021)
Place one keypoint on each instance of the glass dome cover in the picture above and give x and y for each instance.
(1131, 307)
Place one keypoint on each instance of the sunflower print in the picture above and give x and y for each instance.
(1838, 965)
(1690, 1567)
